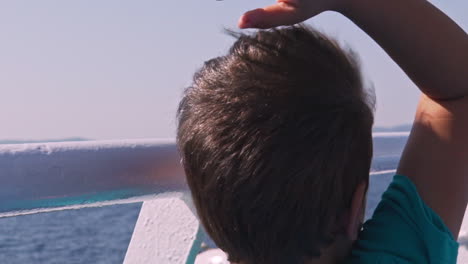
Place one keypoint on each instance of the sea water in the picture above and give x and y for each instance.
(101, 235)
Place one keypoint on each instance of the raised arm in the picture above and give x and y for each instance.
(433, 51)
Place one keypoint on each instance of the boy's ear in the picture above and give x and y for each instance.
(356, 211)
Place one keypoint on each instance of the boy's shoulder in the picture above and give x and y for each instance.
(403, 229)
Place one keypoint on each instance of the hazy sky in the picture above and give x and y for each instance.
(112, 69)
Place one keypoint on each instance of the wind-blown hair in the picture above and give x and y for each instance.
(275, 136)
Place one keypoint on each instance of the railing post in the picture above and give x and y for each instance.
(167, 232)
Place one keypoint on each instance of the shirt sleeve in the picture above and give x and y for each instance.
(404, 229)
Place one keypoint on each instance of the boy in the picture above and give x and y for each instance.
(276, 141)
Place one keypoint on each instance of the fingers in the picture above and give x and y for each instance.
(272, 16)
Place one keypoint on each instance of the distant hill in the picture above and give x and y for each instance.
(40, 141)
(400, 128)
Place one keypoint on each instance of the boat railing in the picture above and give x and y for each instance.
(44, 177)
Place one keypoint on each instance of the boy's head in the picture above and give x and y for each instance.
(275, 138)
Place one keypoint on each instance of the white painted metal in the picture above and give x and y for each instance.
(167, 231)
(212, 256)
(54, 176)
(51, 176)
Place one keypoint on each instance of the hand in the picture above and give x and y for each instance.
(286, 12)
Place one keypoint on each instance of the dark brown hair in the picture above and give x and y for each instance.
(275, 137)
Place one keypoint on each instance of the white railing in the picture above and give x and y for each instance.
(44, 177)
(51, 176)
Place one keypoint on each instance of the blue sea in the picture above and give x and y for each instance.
(90, 235)
(102, 235)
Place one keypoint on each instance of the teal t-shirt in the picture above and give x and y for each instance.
(404, 229)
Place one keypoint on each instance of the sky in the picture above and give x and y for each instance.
(115, 69)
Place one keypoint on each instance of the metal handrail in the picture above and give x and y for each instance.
(44, 177)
